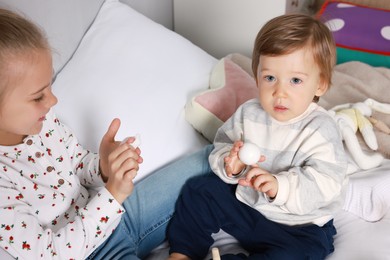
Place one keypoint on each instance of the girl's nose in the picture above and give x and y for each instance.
(52, 100)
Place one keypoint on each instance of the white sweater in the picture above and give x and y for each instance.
(305, 154)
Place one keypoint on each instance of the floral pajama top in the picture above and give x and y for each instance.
(53, 203)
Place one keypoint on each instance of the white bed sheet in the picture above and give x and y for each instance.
(358, 239)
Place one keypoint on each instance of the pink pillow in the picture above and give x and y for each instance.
(230, 85)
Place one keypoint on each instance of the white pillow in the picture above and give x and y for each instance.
(130, 67)
(65, 22)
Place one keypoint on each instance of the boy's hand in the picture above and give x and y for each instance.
(119, 163)
(262, 181)
(233, 165)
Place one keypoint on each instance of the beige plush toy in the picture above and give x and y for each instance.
(354, 117)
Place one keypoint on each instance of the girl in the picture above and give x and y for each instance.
(58, 200)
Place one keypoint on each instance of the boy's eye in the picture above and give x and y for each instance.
(269, 78)
(296, 81)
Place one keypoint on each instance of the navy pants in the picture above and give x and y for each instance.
(207, 205)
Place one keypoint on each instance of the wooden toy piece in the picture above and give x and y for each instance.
(215, 253)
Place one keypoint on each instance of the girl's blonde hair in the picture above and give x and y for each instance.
(287, 33)
(18, 36)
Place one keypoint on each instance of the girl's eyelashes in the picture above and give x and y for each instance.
(43, 93)
(40, 98)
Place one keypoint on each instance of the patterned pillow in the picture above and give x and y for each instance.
(361, 33)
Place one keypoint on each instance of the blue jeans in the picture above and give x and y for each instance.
(150, 207)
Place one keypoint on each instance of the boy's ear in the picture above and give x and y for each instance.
(322, 88)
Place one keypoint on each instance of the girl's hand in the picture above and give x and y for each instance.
(123, 167)
(261, 181)
(233, 165)
(119, 163)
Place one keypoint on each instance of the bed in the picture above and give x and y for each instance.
(112, 61)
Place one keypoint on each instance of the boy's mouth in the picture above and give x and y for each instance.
(280, 108)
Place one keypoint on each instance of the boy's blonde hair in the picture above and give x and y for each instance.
(287, 33)
(18, 36)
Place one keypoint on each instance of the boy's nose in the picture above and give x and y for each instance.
(279, 90)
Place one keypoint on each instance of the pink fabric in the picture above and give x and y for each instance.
(239, 87)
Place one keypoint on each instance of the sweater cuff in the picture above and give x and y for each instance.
(105, 207)
(283, 190)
